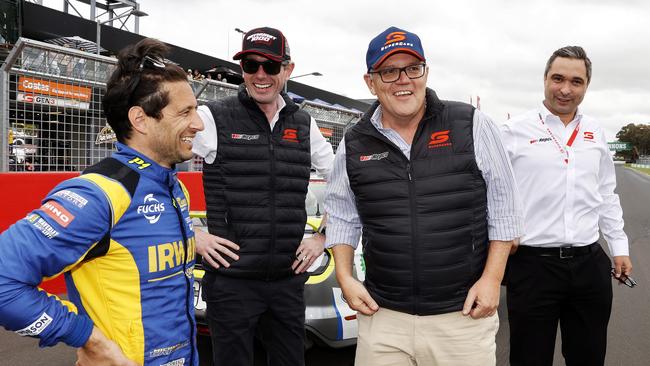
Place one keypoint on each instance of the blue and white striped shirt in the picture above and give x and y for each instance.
(505, 218)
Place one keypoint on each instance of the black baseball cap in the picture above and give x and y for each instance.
(267, 42)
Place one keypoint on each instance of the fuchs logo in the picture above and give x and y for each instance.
(241, 136)
(439, 139)
(36, 327)
(261, 38)
(59, 214)
(290, 135)
(151, 209)
(374, 156)
(543, 139)
(588, 136)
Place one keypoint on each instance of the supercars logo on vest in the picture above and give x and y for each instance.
(290, 135)
(374, 156)
(439, 139)
(241, 136)
(151, 209)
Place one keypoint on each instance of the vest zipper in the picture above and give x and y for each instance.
(414, 240)
(189, 287)
(272, 206)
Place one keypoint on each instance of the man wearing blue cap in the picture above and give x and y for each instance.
(429, 185)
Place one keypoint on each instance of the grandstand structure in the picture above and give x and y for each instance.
(50, 95)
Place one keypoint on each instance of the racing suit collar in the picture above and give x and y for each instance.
(143, 165)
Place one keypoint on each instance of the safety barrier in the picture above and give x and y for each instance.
(51, 117)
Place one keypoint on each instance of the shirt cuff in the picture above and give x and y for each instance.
(618, 248)
(339, 234)
(505, 228)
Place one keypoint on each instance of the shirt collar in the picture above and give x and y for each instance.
(545, 113)
(375, 119)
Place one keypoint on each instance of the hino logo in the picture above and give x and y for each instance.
(151, 209)
(36, 327)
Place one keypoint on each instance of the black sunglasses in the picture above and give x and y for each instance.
(270, 67)
(624, 279)
(147, 62)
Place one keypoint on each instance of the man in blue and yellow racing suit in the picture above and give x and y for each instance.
(121, 233)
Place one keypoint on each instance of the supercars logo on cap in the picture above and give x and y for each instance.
(395, 37)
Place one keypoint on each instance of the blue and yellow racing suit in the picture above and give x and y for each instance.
(122, 235)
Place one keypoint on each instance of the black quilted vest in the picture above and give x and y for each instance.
(424, 219)
(255, 189)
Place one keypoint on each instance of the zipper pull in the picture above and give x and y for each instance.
(408, 171)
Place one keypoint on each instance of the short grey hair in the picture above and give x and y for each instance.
(574, 52)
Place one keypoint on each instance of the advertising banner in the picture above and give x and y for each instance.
(53, 88)
(39, 99)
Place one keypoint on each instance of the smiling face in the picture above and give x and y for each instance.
(565, 86)
(262, 87)
(169, 140)
(402, 101)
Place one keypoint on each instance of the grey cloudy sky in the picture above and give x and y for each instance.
(493, 48)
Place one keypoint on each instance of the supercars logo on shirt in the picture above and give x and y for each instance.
(588, 136)
(59, 214)
(241, 136)
(543, 139)
(151, 208)
(290, 135)
(374, 156)
(439, 139)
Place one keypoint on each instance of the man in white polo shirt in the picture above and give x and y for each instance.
(565, 175)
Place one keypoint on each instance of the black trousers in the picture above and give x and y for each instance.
(235, 308)
(545, 290)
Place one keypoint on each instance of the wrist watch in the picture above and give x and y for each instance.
(321, 229)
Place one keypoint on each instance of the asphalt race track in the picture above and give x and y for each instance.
(629, 328)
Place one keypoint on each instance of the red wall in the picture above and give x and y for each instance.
(24, 192)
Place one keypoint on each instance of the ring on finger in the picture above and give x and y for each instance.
(304, 257)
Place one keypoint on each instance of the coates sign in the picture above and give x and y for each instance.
(39, 99)
(53, 88)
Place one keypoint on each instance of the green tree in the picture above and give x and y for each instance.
(636, 134)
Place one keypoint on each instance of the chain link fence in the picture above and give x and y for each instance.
(50, 109)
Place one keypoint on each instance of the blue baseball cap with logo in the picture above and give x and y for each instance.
(393, 40)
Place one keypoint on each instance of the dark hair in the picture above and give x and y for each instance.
(574, 52)
(140, 64)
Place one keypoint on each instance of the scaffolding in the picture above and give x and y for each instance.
(51, 117)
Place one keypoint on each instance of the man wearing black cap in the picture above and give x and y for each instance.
(258, 149)
(429, 185)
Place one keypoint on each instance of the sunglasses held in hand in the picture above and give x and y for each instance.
(624, 279)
